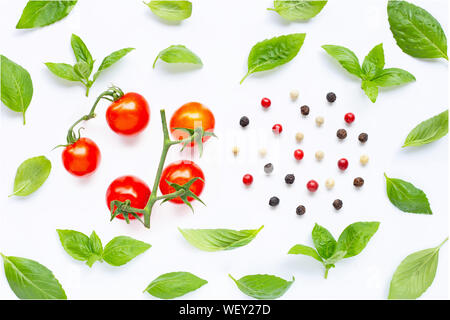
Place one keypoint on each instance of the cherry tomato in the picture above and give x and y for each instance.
(181, 172)
(82, 157)
(128, 188)
(129, 114)
(191, 115)
(247, 179)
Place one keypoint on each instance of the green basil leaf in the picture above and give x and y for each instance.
(171, 10)
(428, 131)
(31, 175)
(263, 286)
(178, 54)
(81, 52)
(374, 62)
(82, 69)
(15, 85)
(95, 244)
(370, 89)
(392, 77)
(415, 274)
(63, 70)
(355, 237)
(43, 13)
(298, 10)
(406, 196)
(111, 59)
(271, 53)
(323, 241)
(122, 249)
(29, 279)
(76, 244)
(337, 256)
(174, 284)
(416, 31)
(347, 58)
(305, 250)
(218, 239)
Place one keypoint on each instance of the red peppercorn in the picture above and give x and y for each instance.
(247, 179)
(349, 117)
(277, 128)
(298, 154)
(312, 185)
(265, 102)
(342, 164)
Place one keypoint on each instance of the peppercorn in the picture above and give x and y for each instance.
(262, 152)
(247, 179)
(329, 183)
(319, 155)
(300, 210)
(364, 159)
(235, 150)
(294, 94)
(299, 136)
(363, 137)
(304, 110)
(320, 121)
(244, 121)
(268, 168)
(349, 117)
(342, 164)
(274, 201)
(277, 128)
(341, 134)
(331, 97)
(289, 179)
(298, 154)
(312, 185)
(358, 182)
(265, 102)
(337, 204)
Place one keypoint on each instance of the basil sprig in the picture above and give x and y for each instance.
(174, 284)
(428, 131)
(29, 279)
(82, 69)
(16, 86)
(171, 10)
(272, 53)
(328, 251)
(178, 54)
(298, 10)
(43, 13)
(416, 31)
(406, 196)
(117, 252)
(415, 274)
(372, 72)
(263, 286)
(31, 175)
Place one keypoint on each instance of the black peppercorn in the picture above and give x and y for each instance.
(274, 201)
(300, 210)
(358, 182)
(268, 168)
(341, 134)
(304, 110)
(331, 97)
(290, 178)
(337, 204)
(244, 121)
(363, 137)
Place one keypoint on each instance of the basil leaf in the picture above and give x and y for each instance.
(81, 52)
(178, 54)
(31, 175)
(337, 256)
(355, 237)
(95, 244)
(323, 241)
(123, 249)
(174, 284)
(415, 274)
(29, 279)
(392, 77)
(428, 131)
(171, 10)
(406, 196)
(63, 70)
(263, 286)
(347, 58)
(370, 89)
(75, 243)
(82, 69)
(305, 250)
(271, 53)
(374, 62)
(416, 31)
(111, 59)
(298, 10)
(218, 239)
(43, 13)
(15, 85)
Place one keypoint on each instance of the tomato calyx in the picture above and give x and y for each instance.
(123, 207)
(186, 192)
(195, 135)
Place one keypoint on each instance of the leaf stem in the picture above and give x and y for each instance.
(443, 242)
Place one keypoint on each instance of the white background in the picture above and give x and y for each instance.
(222, 34)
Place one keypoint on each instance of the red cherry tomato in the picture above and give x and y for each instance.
(312, 185)
(265, 102)
(191, 115)
(298, 154)
(128, 188)
(247, 179)
(349, 117)
(181, 172)
(129, 114)
(342, 164)
(81, 157)
(277, 128)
